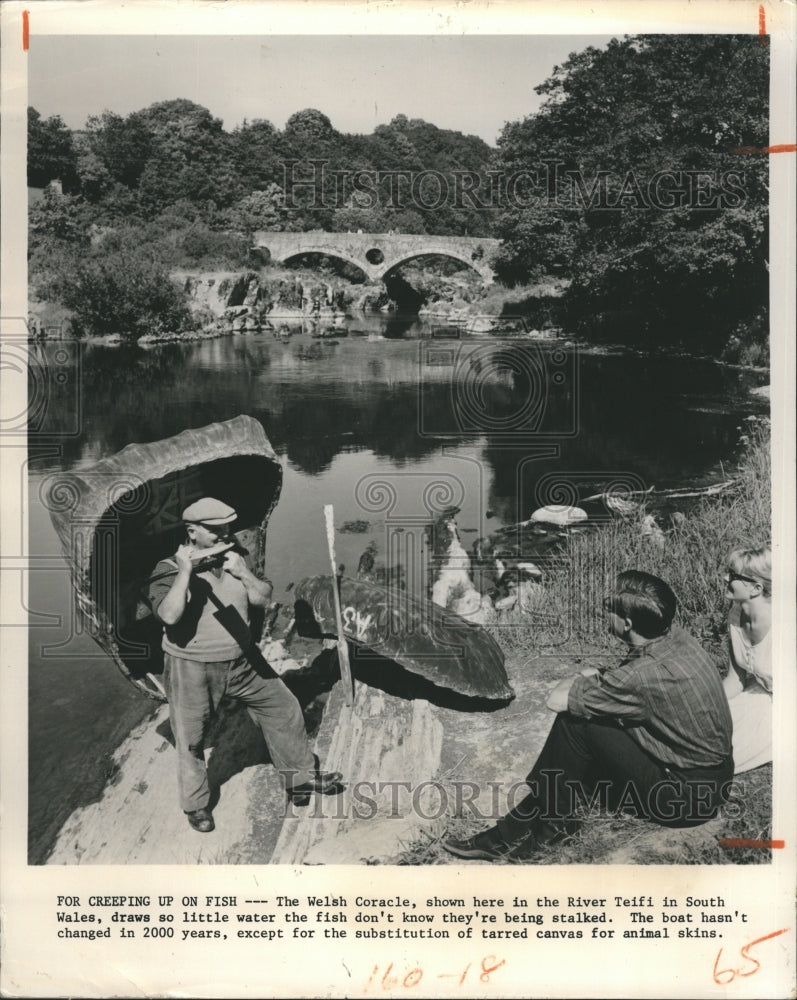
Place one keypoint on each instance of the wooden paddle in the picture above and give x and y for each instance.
(343, 649)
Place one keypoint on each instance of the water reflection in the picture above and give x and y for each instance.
(403, 400)
(494, 417)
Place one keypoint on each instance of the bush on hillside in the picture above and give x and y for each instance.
(121, 294)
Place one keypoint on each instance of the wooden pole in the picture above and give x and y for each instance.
(343, 649)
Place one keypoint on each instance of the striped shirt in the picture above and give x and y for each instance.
(668, 696)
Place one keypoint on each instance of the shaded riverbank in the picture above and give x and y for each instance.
(564, 632)
(470, 774)
(379, 406)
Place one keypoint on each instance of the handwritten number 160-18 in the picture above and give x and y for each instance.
(724, 976)
(389, 980)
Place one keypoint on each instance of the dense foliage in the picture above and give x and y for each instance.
(683, 256)
(168, 187)
(51, 152)
(117, 293)
(175, 153)
(628, 189)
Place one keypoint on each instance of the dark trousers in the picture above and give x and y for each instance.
(195, 690)
(597, 762)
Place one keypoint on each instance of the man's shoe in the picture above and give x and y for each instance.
(327, 783)
(490, 846)
(201, 820)
(487, 846)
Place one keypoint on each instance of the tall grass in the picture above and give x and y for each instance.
(565, 615)
(690, 555)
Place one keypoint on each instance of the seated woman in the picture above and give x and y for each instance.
(749, 681)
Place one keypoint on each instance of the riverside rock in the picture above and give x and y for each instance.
(560, 514)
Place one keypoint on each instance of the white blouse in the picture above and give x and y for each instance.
(753, 660)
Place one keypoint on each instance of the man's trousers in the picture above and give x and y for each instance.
(597, 762)
(195, 690)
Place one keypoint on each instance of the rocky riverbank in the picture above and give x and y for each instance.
(381, 742)
(423, 737)
(276, 299)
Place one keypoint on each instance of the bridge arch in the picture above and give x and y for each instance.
(361, 265)
(483, 270)
(375, 254)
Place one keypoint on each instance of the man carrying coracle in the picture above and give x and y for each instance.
(206, 657)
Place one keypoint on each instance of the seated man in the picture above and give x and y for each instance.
(208, 654)
(652, 734)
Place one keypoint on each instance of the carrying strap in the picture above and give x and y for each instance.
(231, 621)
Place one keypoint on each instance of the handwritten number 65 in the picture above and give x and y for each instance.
(731, 974)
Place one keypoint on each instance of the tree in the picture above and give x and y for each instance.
(121, 293)
(684, 256)
(255, 155)
(51, 152)
(258, 210)
(123, 144)
(189, 159)
(309, 125)
(58, 219)
(95, 180)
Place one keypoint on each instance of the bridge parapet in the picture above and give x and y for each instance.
(378, 253)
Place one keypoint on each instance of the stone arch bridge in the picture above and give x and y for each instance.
(378, 253)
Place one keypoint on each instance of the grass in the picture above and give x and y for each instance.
(603, 839)
(691, 557)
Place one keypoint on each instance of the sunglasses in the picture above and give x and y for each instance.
(609, 604)
(730, 577)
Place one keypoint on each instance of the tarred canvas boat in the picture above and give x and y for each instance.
(427, 640)
(118, 518)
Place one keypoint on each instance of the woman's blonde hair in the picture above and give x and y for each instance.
(754, 562)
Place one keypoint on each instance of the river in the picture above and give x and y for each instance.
(390, 421)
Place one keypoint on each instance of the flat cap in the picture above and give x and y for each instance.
(208, 510)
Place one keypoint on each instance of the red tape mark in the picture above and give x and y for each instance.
(762, 24)
(743, 842)
(784, 147)
(25, 31)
